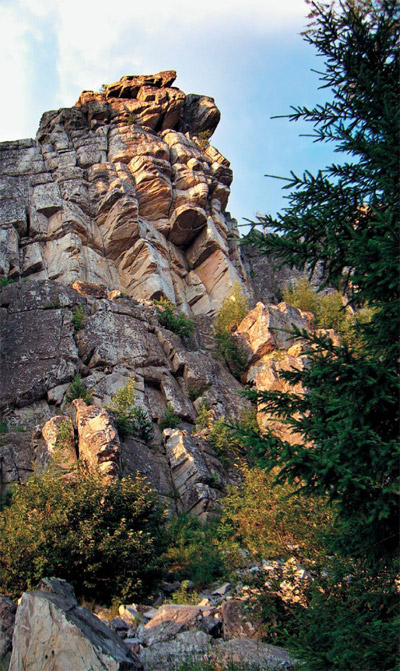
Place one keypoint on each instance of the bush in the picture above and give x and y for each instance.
(173, 320)
(78, 318)
(78, 389)
(193, 552)
(328, 309)
(203, 138)
(104, 539)
(5, 281)
(234, 308)
(130, 418)
(269, 519)
(169, 420)
(225, 439)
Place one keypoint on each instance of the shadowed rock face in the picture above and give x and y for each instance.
(53, 633)
(124, 190)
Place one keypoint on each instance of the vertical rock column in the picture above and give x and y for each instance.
(99, 443)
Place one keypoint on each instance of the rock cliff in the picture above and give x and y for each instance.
(118, 201)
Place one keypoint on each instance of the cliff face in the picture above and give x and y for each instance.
(120, 200)
(123, 189)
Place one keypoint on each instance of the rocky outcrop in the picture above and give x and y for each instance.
(124, 190)
(99, 444)
(194, 474)
(265, 336)
(53, 633)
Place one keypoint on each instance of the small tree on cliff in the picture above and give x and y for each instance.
(346, 219)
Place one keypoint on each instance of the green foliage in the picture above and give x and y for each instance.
(345, 219)
(3, 427)
(184, 595)
(103, 539)
(5, 281)
(328, 309)
(78, 318)
(203, 138)
(350, 621)
(197, 390)
(203, 419)
(233, 310)
(233, 354)
(169, 420)
(130, 418)
(193, 552)
(173, 320)
(78, 389)
(132, 119)
(269, 520)
(226, 438)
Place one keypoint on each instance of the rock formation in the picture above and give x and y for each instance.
(123, 189)
(120, 200)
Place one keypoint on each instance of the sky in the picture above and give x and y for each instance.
(249, 56)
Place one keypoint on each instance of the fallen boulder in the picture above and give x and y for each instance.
(53, 633)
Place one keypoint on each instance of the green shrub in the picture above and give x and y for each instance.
(197, 390)
(104, 539)
(5, 281)
(78, 389)
(233, 310)
(173, 320)
(193, 552)
(130, 418)
(203, 138)
(328, 309)
(3, 427)
(351, 621)
(169, 420)
(233, 354)
(78, 318)
(185, 596)
(269, 519)
(203, 419)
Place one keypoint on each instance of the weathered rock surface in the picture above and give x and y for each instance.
(118, 190)
(193, 478)
(99, 442)
(53, 633)
(7, 618)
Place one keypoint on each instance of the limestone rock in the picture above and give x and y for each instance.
(53, 633)
(99, 443)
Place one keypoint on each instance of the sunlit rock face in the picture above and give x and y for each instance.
(123, 189)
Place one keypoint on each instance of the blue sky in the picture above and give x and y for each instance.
(249, 56)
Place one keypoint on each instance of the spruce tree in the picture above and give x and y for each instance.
(344, 220)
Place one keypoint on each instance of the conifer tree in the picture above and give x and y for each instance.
(345, 221)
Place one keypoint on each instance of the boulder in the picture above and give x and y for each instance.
(98, 438)
(53, 633)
